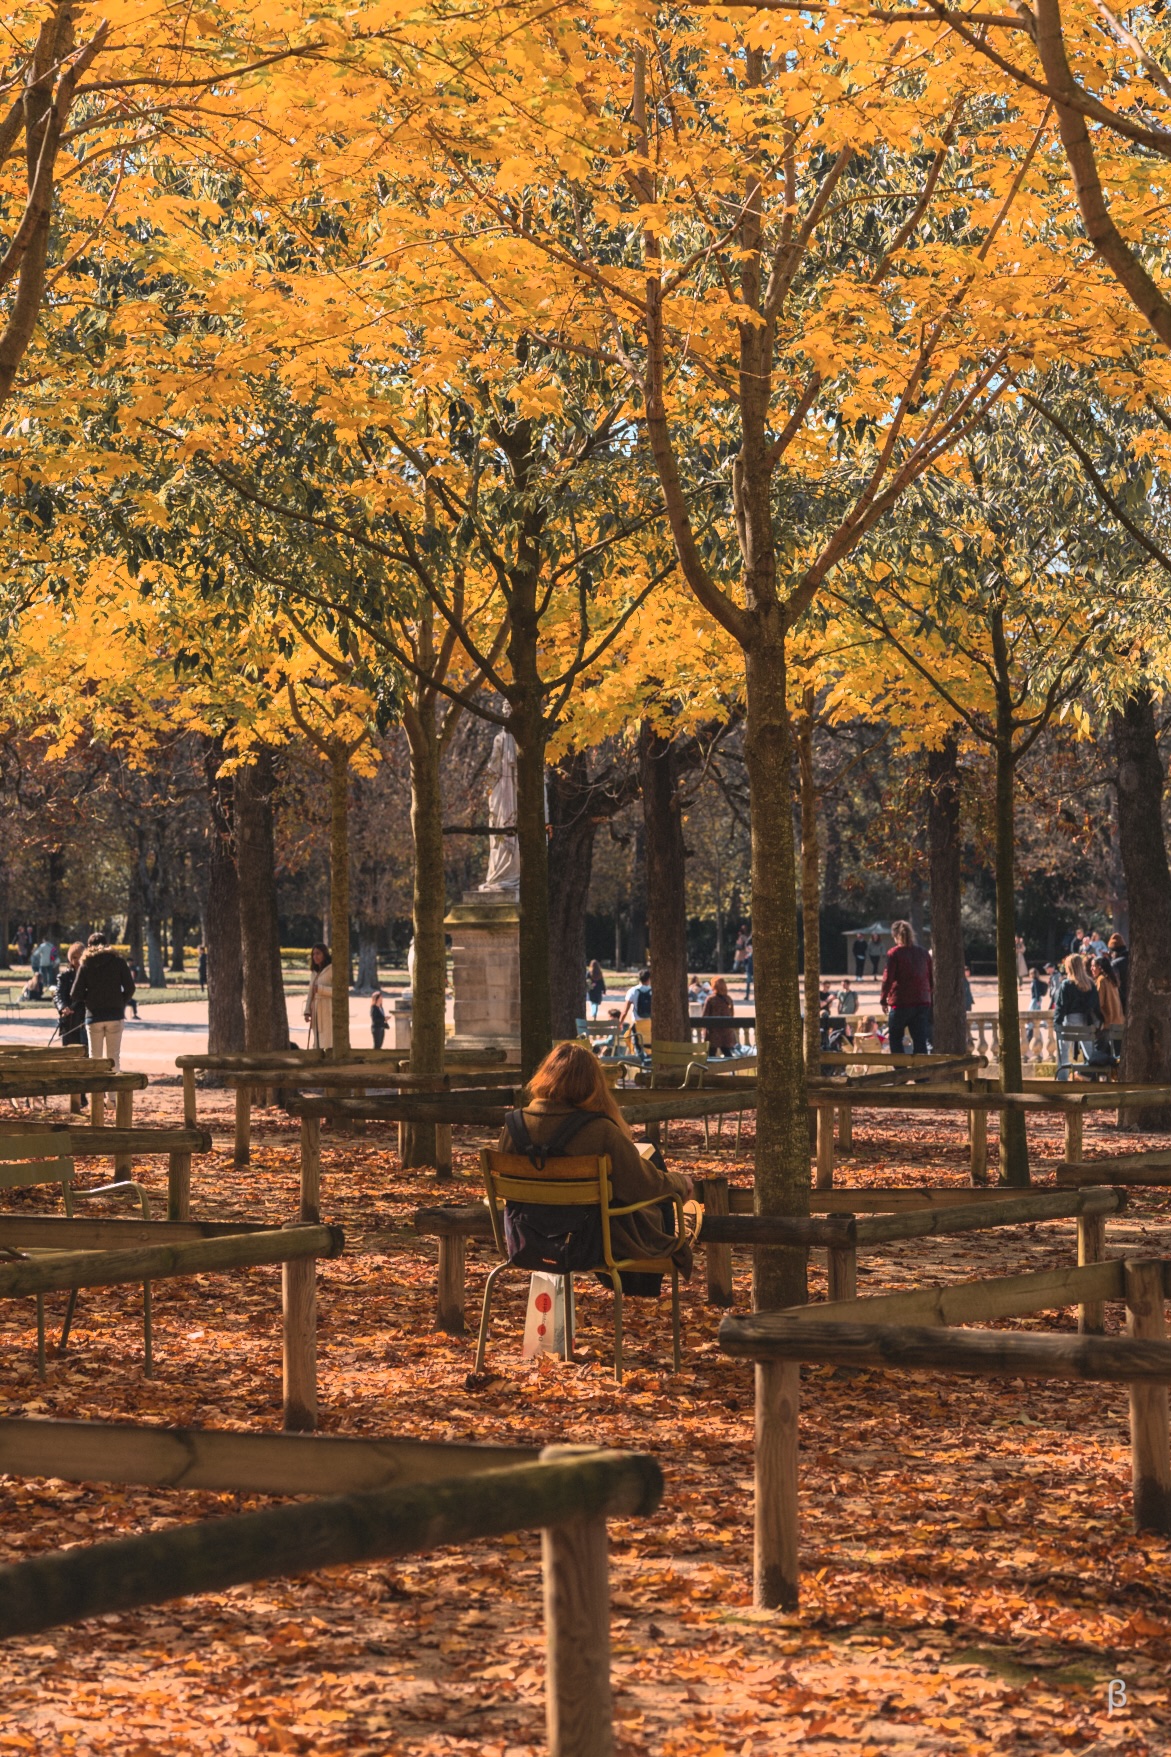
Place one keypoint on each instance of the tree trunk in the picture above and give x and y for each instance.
(156, 969)
(265, 1007)
(429, 905)
(225, 977)
(573, 826)
(1147, 1052)
(178, 930)
(944, 849)
(339, 895)
(810, 889)
(782, 1121)
(1014, 1152)
(5, 921)
(536, 1033)
(367, 959)
(666, 866)
(134, 950)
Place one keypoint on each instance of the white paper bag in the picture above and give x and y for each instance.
(545, 1318)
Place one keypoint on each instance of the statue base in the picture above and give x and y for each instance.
(485, 972)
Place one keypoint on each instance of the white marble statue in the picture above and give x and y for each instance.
(503, 852)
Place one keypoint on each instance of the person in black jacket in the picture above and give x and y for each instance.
(103, 986)
(1120, 961)
(1077, 1004)
(377, 1019)
(72, 1023)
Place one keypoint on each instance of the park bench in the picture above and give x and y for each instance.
(186, 1251)
(30, 1158)
(905, 1331)
(385, 1497)
(728, 1220)
(124, 1145)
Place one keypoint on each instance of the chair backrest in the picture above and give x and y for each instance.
(29, 1159)
(669, 1058)
(573, 1180)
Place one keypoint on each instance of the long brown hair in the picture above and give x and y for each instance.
(571, 1074)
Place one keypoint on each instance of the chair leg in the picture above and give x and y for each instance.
(40, 1335)
(67, 1326)
(616, 1281)
(484, 1315)
(739, 1122)
(675, 1327)
(148, 1361)
(567, 1339)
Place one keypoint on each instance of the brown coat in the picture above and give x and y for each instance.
(632, 1179)
(720, 1006)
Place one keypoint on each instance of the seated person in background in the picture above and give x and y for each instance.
(868, 1039)
(698, 990)
(34, 988)
(570, 1083)
(847, 999)
(721, 1039)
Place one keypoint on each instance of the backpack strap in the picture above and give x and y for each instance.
(555, 1147)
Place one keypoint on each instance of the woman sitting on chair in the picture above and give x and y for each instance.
(570, 1084)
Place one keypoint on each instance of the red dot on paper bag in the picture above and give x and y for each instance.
(544, 1303)
(540, 1329)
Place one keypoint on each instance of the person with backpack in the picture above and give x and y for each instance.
(637, 1004)
(571, 1110)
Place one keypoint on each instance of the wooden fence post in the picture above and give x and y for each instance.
(719, 1257)
(778, 1402)
(243, 1148)
(189, 1121)
(825, 1146)
(843, 1272)
(1073, 1133)
(311, 1170)
(978, 1146)
(578, 1705)
(450, 1316)
(299, 1310)
(1091, 1243)
(442, 1151)
(123, 1119)
(97, 1109)
(1150, 1436)
(845, 1128)
(178, 1186)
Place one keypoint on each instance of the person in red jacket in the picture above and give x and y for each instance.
(908, 991)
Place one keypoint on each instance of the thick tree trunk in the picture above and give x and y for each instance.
(178, 930)
(429, 905)
(666, 865)
(134, 949)
(782, 1123)
(156, 969)
(367, 958)
(573, 826)
(1014, 1152)
(536, 1035)
(265, 1008)
(1147, 1052)
(810, 890)
(944, 852)
(5, 919)
(339, 895)
(225, 975)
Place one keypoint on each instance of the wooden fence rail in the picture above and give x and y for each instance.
(861, 1333)
(568, 1494)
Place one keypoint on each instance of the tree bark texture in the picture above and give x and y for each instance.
(944, 851)
(225, 977)
(339, 894)
(782, 1124)
(666, 863)
(536, 1034)
(266, 1018)
(429, 902)
(573, 826)
(1147, 1051)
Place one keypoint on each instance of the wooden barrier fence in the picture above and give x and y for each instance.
(568, 1493)
(295, 1248)
(122, 1144)
(891, 1332)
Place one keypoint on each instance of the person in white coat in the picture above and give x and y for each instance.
(319, 1000)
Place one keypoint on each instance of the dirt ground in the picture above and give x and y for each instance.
(970, 1581)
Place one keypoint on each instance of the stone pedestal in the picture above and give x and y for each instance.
(485, 972)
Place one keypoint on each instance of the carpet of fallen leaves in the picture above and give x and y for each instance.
(970, 1578)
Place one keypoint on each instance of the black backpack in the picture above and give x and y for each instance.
(642, 1002)
(555, 1238)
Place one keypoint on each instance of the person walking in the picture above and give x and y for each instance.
(1119, 956)
(874, 948)
(859, 956)
(738, 950)
(203, 966)
(907, 991)
(638, 1002)
(748, 967)
(595, 987)
(1022, 961)
(319, 1000)
(71, 1023)
(1109, 994)
(1077, 1004)
(721, 1039)
(377, 1019)
(103, 988)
